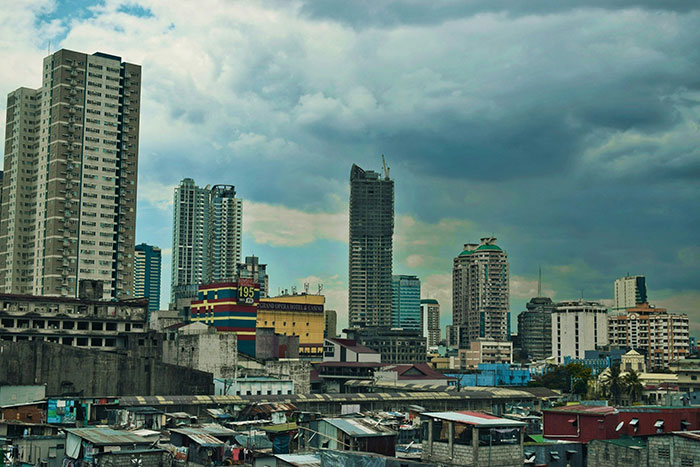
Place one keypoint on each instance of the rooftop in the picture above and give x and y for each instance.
(351, 344)
(360, 427)
(100, 436)
(474, 418)
(584, 409)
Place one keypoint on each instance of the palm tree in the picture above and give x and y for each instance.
(613, 384)
(633, 387)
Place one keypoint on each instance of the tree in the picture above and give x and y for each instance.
(633, 386)
(579, 376)
(613, 384)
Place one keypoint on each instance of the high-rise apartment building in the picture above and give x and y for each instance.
(252, 269)
(430, 320)
(405, 302)
(331, 323)
(147, 260)
(630, 291)
(535, 328)
(69, 194)
(207, 225)
(224, 234)
(578, 326)
(371, 232)
(480, 293)
(190, 226)
(660, 336)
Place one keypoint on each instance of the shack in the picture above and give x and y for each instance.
(356, 434)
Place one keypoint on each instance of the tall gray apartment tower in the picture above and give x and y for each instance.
(480, 293)
(71, 164)
(371, 232)
(207, 229)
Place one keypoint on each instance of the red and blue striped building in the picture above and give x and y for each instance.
(229, 307)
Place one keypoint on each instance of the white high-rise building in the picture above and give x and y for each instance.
(207, 232)
(578, 326)
(69, 195)
(430, 320)
(630, 291)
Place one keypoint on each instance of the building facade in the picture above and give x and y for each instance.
(147, 261)
(430, 320)
(87, 323)
(535, 329)
(71, 158)
(486, 351)
(252, 269)
(331, 317)
(480, 292)
(296, 315)
(371, 251)
(578, 326)
(224, 234)
(229, 307)
(405, 302)
(660, 336)
(630, 291)
(394, 345)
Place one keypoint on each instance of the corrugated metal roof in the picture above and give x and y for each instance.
(473, 418)
(359, 427)
(199, 436)
(300, 460)
(107, 437)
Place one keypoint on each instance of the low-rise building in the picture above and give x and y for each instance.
(486, 351)
(355, 434)
(660, 336)
(201, 347)
(253, 385)
(687, 373)
(417, 373)
(472, 439)
(394, 345)
(585, 423)
(345, 359)
(299, 315)
(97, 324)
(680, 448)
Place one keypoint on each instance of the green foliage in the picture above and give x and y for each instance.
(573, 377)
(633, 386)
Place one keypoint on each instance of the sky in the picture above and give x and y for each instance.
(567, 130)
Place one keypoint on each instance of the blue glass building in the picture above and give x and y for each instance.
(405, 302)
(147, 260)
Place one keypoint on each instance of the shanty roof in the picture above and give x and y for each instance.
(273, 407)
(417, 371)
(100, 436)
(360, 427)
(541, 392)
(145, 410)
(199, 436)
(219, 414)
(474, 418)
(299, 460)
(402, 386)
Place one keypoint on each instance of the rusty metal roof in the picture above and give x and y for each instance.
(107, 436)
(199, 436)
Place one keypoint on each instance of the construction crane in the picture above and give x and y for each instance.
(386, 169)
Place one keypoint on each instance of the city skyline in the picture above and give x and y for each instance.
(600, 182)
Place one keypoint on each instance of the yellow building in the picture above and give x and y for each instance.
(296, 315)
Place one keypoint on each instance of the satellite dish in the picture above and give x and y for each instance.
(619, 426)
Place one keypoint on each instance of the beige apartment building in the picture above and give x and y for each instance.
(660, 336)
(69, 193)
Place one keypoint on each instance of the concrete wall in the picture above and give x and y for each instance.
(607, 453)
(215, 353)
(33, 450)
(299, 371)
(96, 373)
(673, 451)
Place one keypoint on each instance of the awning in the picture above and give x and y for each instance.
(634, 421)
(554, 455)
(572, 420)
(659, 423)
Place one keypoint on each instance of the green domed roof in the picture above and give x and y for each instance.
(489, 247)
(466, 253)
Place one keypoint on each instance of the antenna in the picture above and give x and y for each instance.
(320, 287)
(539, 283)
(48, 48)
(386, 169)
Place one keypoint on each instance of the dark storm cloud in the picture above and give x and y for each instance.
(383, 13)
